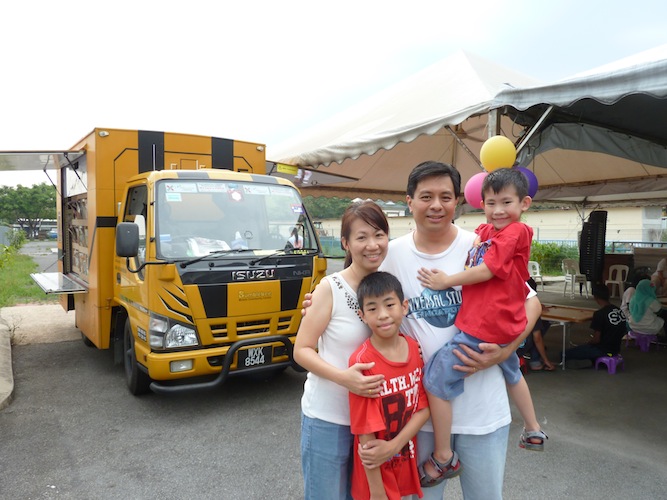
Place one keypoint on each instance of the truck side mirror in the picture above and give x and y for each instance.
(127, 239)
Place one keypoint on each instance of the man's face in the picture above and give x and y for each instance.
(434, 203)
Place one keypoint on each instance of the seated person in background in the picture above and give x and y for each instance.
(608, 327)
(644, 310)
(534, 344)
(295, 240)
(659, 277)
(629, 292)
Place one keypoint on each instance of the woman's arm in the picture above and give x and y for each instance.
(312, 327)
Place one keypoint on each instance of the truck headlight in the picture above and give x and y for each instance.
(166, 333)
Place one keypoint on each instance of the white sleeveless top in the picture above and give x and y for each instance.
(322, 398)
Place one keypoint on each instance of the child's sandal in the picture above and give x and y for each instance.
(446, 470)
(528, 438)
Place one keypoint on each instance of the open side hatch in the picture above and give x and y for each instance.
(58, 283)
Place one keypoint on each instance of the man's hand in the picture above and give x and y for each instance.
(473, 361)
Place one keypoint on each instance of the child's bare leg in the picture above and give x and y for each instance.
(441, 416)
(520, 394)
(532, 437)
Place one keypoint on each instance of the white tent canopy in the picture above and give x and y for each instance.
(599, 137)
(377, 142)
(601, 141)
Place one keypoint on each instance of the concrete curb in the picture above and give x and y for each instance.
(6, 369)
(29, 324)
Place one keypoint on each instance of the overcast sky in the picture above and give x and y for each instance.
(263, 71)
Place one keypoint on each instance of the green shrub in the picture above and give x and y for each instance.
(551, 255)
(17, 238)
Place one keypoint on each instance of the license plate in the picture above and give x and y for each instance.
(254, 356)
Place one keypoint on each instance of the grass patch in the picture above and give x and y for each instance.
(17, 285)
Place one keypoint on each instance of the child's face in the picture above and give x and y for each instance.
(504, 207)
(384, 314)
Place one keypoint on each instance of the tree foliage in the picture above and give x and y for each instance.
(326, 208)
(27, 206)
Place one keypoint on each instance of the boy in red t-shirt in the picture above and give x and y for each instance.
(402, 408)
(492, 310)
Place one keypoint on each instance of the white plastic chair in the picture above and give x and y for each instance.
(618, 274)
(572, 276)
(534, 271)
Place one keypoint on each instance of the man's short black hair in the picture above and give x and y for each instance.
(377, 284)
(601, 292)
(428, 169)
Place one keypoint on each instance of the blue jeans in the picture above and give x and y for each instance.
(326, 459)
(483, 461)
(584, 351)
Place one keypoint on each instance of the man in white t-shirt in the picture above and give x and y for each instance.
(481, 415)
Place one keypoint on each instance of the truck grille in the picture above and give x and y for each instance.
(231, 331)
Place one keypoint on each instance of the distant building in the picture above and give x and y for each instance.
(624, 224)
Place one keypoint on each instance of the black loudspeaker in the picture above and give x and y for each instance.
(591, 246)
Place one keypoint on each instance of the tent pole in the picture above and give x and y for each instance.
(534, 129)
(493, 124)
(463, 145)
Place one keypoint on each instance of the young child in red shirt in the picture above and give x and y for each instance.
(402, 407)
(492, 310)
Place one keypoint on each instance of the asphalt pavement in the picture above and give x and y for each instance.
(607, 432)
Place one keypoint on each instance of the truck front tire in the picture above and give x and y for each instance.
(138, 382)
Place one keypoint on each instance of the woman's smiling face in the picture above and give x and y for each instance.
(367, 245)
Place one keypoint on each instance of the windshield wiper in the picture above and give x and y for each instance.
(216, 253)
(291, 251)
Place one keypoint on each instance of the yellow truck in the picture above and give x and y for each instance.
(173, 251)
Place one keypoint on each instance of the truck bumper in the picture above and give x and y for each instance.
(163, 387)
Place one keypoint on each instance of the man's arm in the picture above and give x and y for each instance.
(492, 354)
(595, 338)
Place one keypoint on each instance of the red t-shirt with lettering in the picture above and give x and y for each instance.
(402, 395)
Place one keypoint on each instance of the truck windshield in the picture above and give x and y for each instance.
(197, 217)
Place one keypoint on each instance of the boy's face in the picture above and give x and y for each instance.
(384, 314)
(504, 207)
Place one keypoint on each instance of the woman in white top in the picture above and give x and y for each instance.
(644, 309)
(327, 337)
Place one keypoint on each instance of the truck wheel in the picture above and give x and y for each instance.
(137, 381)
(86, 341)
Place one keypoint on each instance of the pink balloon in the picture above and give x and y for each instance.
(532, 181)
(473, 190)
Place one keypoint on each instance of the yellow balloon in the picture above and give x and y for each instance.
(497, 152)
